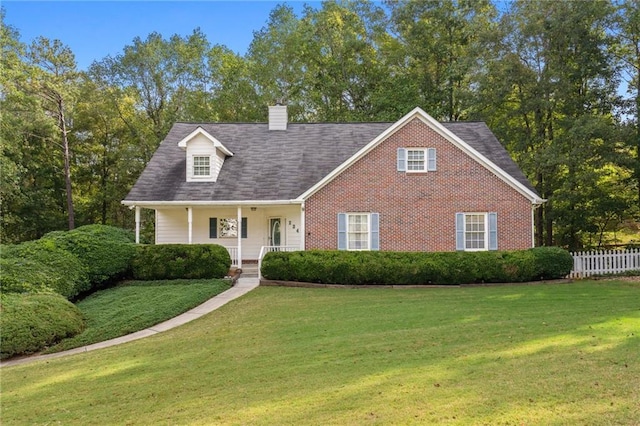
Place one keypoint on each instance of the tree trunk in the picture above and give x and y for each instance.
(67, 163)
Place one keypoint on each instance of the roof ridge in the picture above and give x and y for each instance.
(290, 123)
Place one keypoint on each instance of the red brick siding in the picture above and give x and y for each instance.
(417, 211)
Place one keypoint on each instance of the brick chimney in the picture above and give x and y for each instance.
(278, 117)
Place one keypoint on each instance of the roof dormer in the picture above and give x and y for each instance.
(205, 156)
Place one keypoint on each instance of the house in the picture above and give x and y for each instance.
(412, 185)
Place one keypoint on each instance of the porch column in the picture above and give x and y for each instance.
(137, 225)
(239, 236)
(190, 220)
(303, 231)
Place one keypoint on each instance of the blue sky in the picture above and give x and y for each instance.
(95, 29)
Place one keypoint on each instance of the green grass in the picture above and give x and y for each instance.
(529, 354)
(135, 305)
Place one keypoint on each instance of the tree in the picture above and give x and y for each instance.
(275, 63)
(550, 93)
(53, 78)
(627, 33)
(11, 192)
(163, 75)
(344, 70)
(442, 42)
(233, 90)
(107, 153)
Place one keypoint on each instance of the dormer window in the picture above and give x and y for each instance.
(205, 156)
(202, 166)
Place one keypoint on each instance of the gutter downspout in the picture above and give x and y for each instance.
(534, 207)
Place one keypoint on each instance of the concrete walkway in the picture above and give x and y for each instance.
(242, 287)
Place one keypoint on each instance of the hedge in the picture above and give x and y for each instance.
(31, 322)
(414, 268)
(105, 251)
(175, 261)
(36, 266)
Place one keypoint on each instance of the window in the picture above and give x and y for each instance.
(227, 228)
(476, 231)
(416, 160)
(202, 166)
(358, 231)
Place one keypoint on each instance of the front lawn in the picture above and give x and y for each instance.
(526, 354)
(135, 305)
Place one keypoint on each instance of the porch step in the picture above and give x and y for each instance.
(250, 270)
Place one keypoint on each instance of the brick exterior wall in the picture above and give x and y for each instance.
(417, 211)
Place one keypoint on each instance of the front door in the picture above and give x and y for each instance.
(275, 234)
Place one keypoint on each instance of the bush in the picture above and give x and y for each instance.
(36, 265)
(410, 268)
(31, 322)
(174, 261)
(552, 262)
(105, 251)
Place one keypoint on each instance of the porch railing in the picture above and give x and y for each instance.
(233, 252)
(266, 249)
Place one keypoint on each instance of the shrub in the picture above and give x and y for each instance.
(407, 268)
(31, 322)
(34, 265)
(105, 251)
(552, 262)
(174, 261)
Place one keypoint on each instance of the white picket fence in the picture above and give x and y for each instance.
(590, 263)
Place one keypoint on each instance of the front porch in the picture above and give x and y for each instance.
(246, 231)
(235, 261)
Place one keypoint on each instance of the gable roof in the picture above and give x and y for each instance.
(478, 142)
(282, 166)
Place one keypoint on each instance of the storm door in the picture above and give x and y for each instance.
(275, 233)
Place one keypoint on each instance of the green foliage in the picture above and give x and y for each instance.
(412, 268)
(105, 251)
(547, 77)
(41, 266)
(173, 261)
(552, 262)
(31, 322)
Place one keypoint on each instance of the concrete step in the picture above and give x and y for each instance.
(250, 270)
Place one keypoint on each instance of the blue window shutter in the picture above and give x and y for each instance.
(375, 231)
(431, 159)
(402, 160)
(342, 231)
(243, 228)
(213, 227)
(459, 231)
(493, 231)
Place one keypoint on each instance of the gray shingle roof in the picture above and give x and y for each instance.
(280, 165)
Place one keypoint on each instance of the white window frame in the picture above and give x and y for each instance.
(486, 231)
(193, 166)
(428, 163)
(424, 160)
(349, 232)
